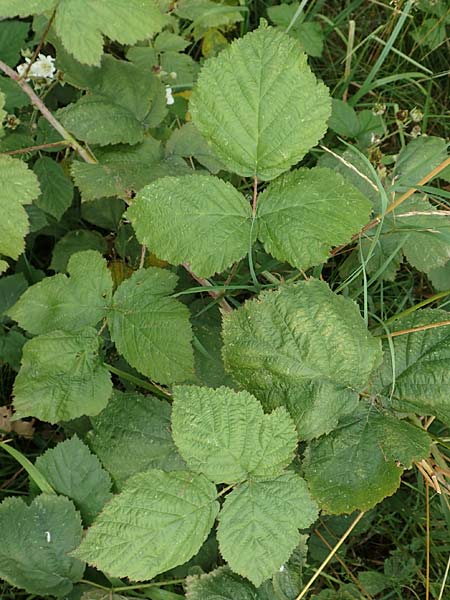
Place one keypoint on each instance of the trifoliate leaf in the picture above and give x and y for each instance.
(198, 219)
(96, 120)
(151, 329)
(259, 523)
(62, 377)
(67, 303)
(220, 584)
(421, 367)
(133, 435)
(157, 522)
(125, 21)
(19, 186)
(240, 104)
(122, 169)
(36, 540)
(299, 334)
(226, 436)
(72, 470)
(361, 462)
(73, 242)
(303, 214)
(56, 187)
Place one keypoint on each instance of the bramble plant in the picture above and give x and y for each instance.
(266, 400)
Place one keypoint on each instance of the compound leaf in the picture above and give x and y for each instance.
(62, 377)
(259, 523)
(226, 436)
(151, 329)
(35, 542)
(305, 212)
(157, 522)
(241, 99)
(132, 434)
(198, 219)
(19, 186)
(72, 470)
(67, 303)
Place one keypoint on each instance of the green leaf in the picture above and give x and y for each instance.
(344, 120)
(96, 120)
(35, 543)
(11, 344)
(73, 471)
(56, 187)
(12, 39)
(64, 303)
(73, 242)
(151, 329)
(306, 212)
(19, 186)
(422, 367)
(157, 522)
(187, 141)
(198, 219)
(361, 462)
(298, 335)
(10, 8)
(62, 377)
(417, 159)
(259, 522)
(125, 21)
(124, 168)
(226, 436)
(220, 584)
(309, 34)
(11, 288)
(132, 434)
(104, 212)
(240, 104)
(440, 277)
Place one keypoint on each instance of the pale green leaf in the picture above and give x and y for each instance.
(62, 377)
(35, 542)
(132, 434)
(259, 522)
(125, 21)
(75, 241)
(157, 522)
(12, 8)
(151, 329)
(361, 462)
(19, 186)
(67, 303)
(56, 187)
(198, 219)
(73, 471)
(96, 120)
(422, 366)
(226, 436)
(4, 266)
(122, 169)
(303, 214)
(298, 334)
(259, 105)
(220, 584)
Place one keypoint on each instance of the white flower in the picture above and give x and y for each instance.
(169, 97)
(42, 68)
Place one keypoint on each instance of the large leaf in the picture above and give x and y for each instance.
(35, 542)
(150, 328)
(72, 470)
(197, 219)
(361, 462)
(62, 377)
(56, 187)
(19, 185)
(419, 381)
(157, 522)
(67, 303)
(259, 522)
(226, 436)
(133, 435)
(301, 346)
(259, 105)
(306, 212)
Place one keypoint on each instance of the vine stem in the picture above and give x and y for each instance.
(329, 557)
(205, 283)
(62, 143)
(131, 587)
(255, 195)
(37, 103)
(151, 387)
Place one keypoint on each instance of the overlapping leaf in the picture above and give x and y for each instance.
(157, 522)
(226, 436)
(56, 187)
